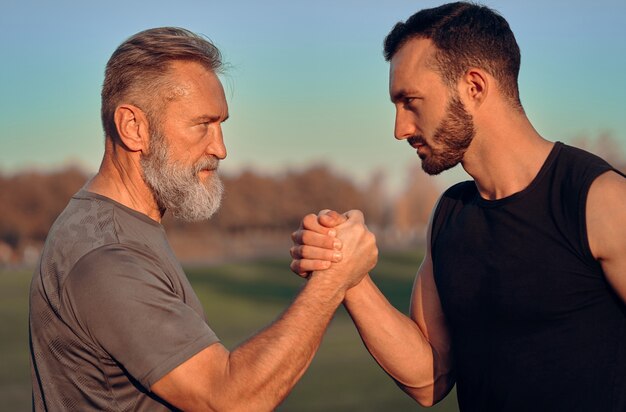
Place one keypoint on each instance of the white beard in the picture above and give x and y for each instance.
(177, 187)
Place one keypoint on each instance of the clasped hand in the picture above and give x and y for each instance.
(332, 244)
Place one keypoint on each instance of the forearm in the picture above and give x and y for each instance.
(263, 370)
(398, 344)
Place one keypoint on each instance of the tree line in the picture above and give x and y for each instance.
(265, 207)
(258, 211)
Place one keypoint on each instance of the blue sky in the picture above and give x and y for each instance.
(308, 82)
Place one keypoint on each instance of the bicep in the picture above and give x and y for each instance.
(426, 309)
(427, 312)
(606, 227)
(198, 382)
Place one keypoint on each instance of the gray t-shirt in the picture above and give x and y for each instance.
(111, 311)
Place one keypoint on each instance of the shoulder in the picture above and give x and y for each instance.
(460, 190)
(576, 170)
(606, 213)
(606, 227)
(113, 277)
(458, 194)
(450, 202)
(113, 263)
(577, 161)
(611, 182)
(607, 192)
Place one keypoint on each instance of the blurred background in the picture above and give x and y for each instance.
(310, 127)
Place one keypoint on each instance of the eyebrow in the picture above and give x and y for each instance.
(206, 117)
(401, 94)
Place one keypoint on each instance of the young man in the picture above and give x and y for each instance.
(521, 296)
(114, 322)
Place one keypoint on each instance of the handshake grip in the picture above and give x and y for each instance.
(333, 244)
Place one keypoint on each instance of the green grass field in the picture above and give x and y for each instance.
(239, 299)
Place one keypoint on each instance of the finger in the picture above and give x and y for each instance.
(302, 266)
(295, 268)
(315, 253)
(306, 237)
(306, 218)
(310, 223)
(331, 218)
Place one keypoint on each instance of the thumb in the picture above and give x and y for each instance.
(330, 218)
(355, 215)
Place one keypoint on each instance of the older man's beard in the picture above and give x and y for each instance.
(454, 135)
(177, 187)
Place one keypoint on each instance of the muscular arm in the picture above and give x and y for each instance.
(259, 374)
(414, 351)
(606, 227)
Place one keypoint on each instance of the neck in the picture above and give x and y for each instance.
(120, 178)
(505, 157)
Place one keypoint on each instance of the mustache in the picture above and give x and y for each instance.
(208, 163)
(415, 140)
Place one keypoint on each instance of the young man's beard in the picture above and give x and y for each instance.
(453, 135)
(176, 187)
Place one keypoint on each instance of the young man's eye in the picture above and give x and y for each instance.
(410, 102)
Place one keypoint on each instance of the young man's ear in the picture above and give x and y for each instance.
(474, 86)
(132, 127)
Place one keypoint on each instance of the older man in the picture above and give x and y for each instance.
(114, 322)
(520, 297)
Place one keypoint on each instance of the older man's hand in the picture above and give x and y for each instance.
(339, 245)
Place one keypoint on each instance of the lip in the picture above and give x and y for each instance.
(416, 142)
(204, 172)
(418, 147)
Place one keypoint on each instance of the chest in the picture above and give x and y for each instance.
(493, 266)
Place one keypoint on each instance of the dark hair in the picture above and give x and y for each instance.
(138, 69)
(465, 35)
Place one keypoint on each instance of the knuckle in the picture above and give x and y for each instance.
(320, 265)
(323, 212)
(296, 252)
(297, 239)
(309, 219)
(294, 267)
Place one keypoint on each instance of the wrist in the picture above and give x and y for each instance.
(359, 290)
(327, 288)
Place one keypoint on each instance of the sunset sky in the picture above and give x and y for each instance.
(307, 82)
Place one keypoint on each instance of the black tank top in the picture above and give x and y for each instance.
(534, 324)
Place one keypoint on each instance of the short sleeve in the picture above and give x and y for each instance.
(125, 304)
